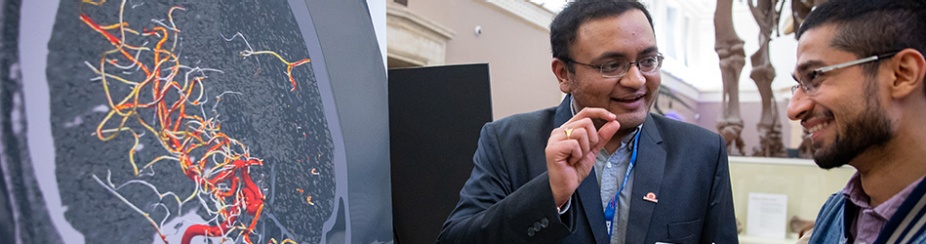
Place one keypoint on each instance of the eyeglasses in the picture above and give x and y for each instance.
(616, 69)
(809, 83)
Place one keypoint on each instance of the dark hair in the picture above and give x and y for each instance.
(564, 27)
(872, 27)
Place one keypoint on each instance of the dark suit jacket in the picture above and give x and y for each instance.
(508, 198)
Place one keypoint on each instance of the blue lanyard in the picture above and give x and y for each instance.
(612, 205)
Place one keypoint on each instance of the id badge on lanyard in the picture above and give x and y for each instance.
(609, 212)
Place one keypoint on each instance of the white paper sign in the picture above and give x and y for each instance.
(767, 215)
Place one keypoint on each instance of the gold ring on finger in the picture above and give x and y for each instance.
(568, 133)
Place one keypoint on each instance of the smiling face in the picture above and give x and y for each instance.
(627, 37)
(845, 116)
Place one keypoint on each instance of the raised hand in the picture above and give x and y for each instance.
(572, 148)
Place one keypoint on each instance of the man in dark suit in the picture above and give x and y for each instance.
(599, 167)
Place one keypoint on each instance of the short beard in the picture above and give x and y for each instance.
(869, 129)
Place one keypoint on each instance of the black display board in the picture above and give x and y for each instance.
(435, 115)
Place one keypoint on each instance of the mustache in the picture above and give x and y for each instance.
(821, 113)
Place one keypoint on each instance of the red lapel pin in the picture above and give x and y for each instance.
(651, 197)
